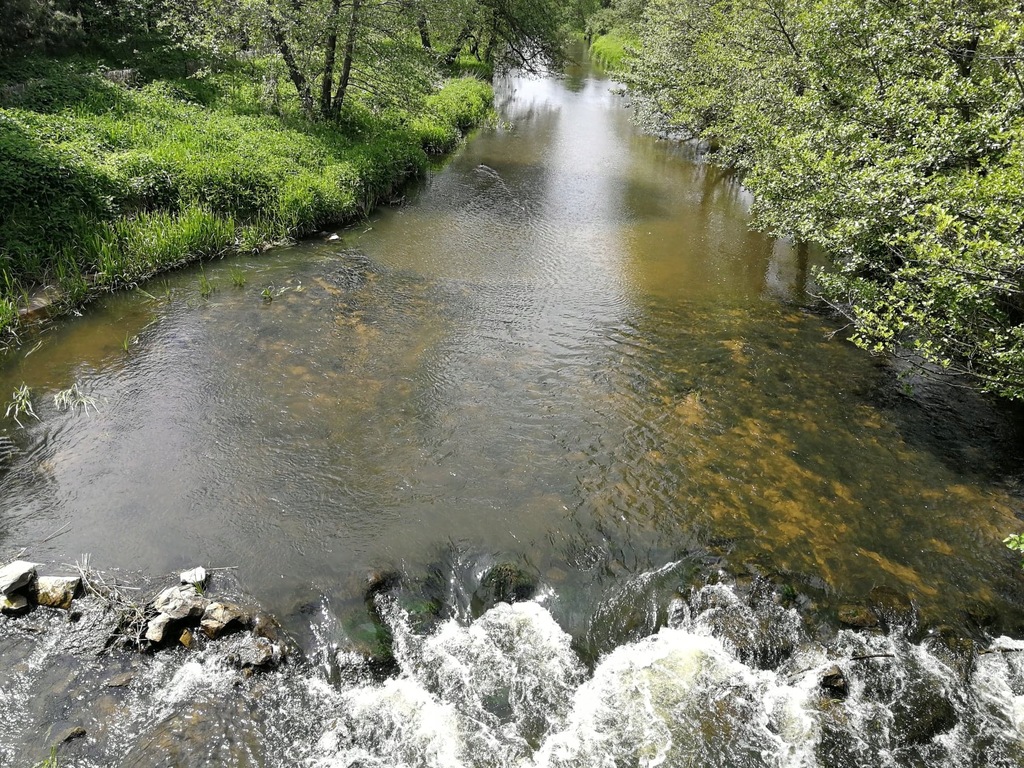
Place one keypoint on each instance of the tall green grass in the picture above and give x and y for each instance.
(610, 49)
(107, 185)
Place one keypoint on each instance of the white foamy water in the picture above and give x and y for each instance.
(732, 680)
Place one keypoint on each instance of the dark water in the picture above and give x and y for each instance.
(565, 350)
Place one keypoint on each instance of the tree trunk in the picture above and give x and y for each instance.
(297, 78)
(421, 24)
(327, 82)
(346, 67)
(457, 46)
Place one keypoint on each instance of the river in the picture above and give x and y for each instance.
(563, 350)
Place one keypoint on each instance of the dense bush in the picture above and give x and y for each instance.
(890, 133)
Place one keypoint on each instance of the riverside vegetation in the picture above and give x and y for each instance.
(891, 134)
(135, 137)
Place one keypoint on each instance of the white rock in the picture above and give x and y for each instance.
(156, 628)
(196, 576)
(16, 575)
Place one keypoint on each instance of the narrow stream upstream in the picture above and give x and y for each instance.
(564, 350)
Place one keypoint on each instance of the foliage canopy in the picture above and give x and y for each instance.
(889, 131)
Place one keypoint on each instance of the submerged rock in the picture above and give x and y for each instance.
(255, 653)
(859, 616)
(17, 575)
(894, 607)
(834, 684)
(922, 712)
(266, 626)
(57, 591)
(122, 680)
(504, 583)
(61, 733)
(181, 602)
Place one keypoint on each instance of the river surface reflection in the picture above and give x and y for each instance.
(565, 348)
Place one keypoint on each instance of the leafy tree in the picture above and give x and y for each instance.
(526, 34)
(888, 132)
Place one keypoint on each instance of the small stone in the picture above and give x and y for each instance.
(186, 639)
(196, 576)
(895, 607)
(121, 681)
(219, 617)
(181, 602)
(157, 627)
(61, 733)
(16, 575)
(13, 604)
(334, 237)
(255, 653)
(57, 591)
(833, 683)
(858, 616)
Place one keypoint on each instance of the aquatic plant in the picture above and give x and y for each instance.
(268, 293)
(1015, 542)
(21, 405)
(73, 398)
(205, 286)
(238, 277)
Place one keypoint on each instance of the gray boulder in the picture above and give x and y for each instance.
(221, 616)
(181, 602)
(16, 575)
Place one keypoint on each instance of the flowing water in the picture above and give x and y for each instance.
(565, 355)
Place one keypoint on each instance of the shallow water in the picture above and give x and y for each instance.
(563, 349)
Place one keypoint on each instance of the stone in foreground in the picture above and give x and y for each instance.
(181, 602)
(220, 617)
(157, 628)
(13, 604)
(57, 591)
(16, 575)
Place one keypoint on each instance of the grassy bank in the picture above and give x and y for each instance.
(609, 49)
(106, 183)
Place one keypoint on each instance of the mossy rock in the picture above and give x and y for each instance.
(503, 583)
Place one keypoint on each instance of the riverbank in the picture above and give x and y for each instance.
(610, 49)
(109, 180)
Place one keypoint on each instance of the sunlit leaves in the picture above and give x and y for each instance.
(891, 134)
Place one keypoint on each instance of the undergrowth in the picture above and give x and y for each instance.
(106, 184)
(610, 49)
